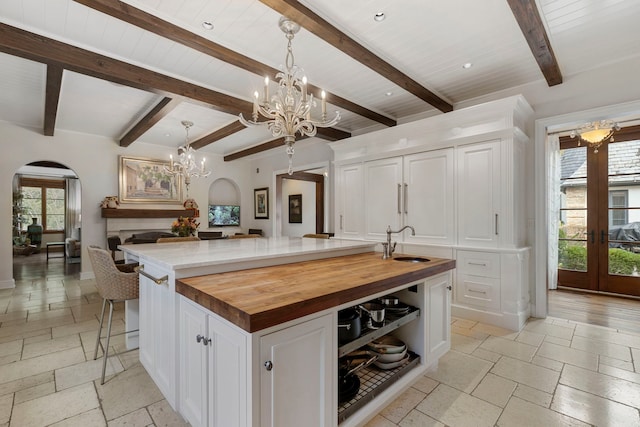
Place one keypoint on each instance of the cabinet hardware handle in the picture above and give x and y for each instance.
(496, 224)
(199, 338)
(602, 236)
(481, 264)
(268, 365)
(140, 269)
(449, 287)
(399, 207)
(477, 291)
(340, 222)
(406, 198)
(593, 236)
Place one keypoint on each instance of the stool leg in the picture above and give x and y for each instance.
(106, 350)
(95, 353)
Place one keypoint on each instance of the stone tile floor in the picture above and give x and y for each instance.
(552, 373)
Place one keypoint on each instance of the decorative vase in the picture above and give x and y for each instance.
(34, 233)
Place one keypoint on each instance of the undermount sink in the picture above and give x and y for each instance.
(412, 259)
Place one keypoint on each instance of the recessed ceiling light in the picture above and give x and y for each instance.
(389, 93)
(207, 25)
(467, 65)
(379, 16)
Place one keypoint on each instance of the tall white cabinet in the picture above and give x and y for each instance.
(459, 180)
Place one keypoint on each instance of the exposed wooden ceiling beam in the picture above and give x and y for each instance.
(164, 107)
(526, 13)
(331, 134)
(52, 96)
(223, 132)
(127, 13)
(308, 19)
(279, 142)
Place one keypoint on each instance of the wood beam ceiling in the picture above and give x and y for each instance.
(52, 97)
(528, 18)
(146, 21)
(164, 107)
(308, 19)
(230, 129)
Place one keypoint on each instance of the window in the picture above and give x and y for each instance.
(618, 199)
(44, 199)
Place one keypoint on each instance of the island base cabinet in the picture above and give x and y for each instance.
(439, 317)
(296, 376)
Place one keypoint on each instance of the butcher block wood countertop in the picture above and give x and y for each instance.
(259, 298)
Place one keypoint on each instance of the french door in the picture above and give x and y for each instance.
(599, 237)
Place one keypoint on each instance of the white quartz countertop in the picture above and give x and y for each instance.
(182, 255)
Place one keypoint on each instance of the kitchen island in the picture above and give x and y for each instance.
(252, 340)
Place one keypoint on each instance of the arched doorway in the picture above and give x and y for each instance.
(46, 235)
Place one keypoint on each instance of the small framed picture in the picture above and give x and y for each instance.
(261, 203)
(295, 208)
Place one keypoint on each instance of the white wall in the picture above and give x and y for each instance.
(95, 160)
(308, 191)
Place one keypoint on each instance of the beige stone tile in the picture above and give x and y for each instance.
(532, 395)
(509, 348)
(521, 413)
(93, 418)
(525, 373)
(569, 355)
(75, 328)
(620, 373)
(548, 363)
(464, 323)
(139, 418)
(425, 384)
(45, 336)
(90, 370)
(11, 347)
(460, 371)
(530, 338)
(50, 346)
(603, 348)
(615, 363)
(465, 332)
(416, 418)
(496, 331)
(464, 344)
(22, 329)
(24, 383)
(400, 407)
(51, 314)
(6, 403)
(544, 328)
(55, 407)
(454, 408)
(10, 358)
(559, 341)
(486, 355)
(128, 391)
(635, 353)
(130, 359)
(14, 315)
(164, 416)
(380, 421)
(593, 409)
(35, 392)
(608, 335)
(87, 311)
(616, 389)
(494, 389)
(40, 364)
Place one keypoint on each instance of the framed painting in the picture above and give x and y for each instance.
(261, 203)
(295, 208)
(146, 181)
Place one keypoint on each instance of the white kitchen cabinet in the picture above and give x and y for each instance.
(158, 347)
(438, 307)
(382, 197)
(212, 369)
(349, 201)
(296, 377)
(478, 193)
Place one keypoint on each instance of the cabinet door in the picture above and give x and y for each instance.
(193, 363)
(146, 333)
(428, 197)
(349, 201)
(439, 321)
(479, 194)
(383, 197)
(298, 389)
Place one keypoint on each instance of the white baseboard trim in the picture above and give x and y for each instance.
(514, 322)
(7, 284)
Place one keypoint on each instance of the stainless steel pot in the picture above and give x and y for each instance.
(375, 312)
(349, 325)
(389, 300)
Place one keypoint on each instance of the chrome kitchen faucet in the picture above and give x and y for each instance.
(387, 247)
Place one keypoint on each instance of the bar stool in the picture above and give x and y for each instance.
(113, 285)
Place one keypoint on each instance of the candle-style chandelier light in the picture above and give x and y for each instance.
(186, 165)
(289, 110)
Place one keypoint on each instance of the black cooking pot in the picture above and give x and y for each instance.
(348, 387)
(349, 325)
(348, 380)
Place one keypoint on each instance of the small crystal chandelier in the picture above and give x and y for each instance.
(289, 110)
(186, 165)
(595, 133)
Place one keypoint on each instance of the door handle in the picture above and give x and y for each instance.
(593, 236)
(399, 207)
(602, 236)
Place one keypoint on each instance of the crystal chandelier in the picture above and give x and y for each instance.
(595, 133)
(289, 110)
(186, 166)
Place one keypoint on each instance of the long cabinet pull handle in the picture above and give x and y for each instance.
(496, 225)
(399, 207)
(158, 281)
(340, 222)
(481, 264)
(406, 198)
(477, 291)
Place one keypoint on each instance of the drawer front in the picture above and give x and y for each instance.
(480, 292)
(485, 264)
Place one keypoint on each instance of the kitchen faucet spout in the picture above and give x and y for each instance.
(387, 247)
